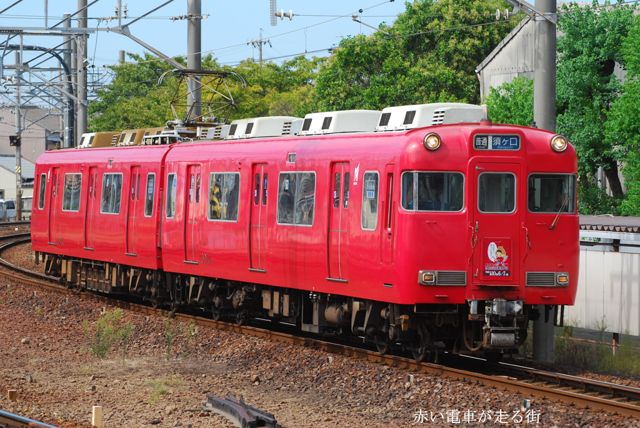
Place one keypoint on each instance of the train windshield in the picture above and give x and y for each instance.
(552, 193)
(432, 191)
(496, 192)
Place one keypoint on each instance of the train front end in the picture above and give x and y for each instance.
(497, 208)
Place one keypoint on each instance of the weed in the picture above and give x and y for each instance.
(170, 333)
(108, 330)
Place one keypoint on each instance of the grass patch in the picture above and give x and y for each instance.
(108, 331)
(598, 357)
(159, 388)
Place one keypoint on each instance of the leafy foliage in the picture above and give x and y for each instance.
(512, 102)
(429, 54)
(587, 85)
(623, 126)
(137, 99)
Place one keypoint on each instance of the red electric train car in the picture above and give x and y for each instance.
(428, 237)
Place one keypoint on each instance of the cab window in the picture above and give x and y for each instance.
(432, 191)
(552, 193)
(496, 192)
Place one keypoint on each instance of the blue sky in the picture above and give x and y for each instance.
(225, 32)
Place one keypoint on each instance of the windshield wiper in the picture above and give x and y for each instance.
(565, 202)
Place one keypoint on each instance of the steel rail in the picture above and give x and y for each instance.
(582, 392)
(10, 420)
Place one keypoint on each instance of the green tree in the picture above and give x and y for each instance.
(623, 127)
(429, 54)
(512, 102)
(587, 86)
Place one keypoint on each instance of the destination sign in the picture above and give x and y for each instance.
(496, 142)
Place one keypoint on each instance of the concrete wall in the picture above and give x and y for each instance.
(37, 122)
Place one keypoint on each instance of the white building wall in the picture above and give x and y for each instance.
(608, 295)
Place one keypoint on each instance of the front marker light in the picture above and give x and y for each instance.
(562, 279)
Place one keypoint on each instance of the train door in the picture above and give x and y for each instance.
(338, 235)
(495, 227)
(191, 216)
(54, 206)
(90, 213)
(258, 220)
(388, 215)
(132, 210)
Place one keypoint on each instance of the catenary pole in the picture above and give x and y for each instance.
(81, 68)
(544, 115)
(194, 58)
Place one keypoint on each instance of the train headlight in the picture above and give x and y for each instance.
(562, 279)
(432, 141)
(559, 143)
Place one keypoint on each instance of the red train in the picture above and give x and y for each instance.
(430, 237)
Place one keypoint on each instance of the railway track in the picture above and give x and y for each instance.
(10, 420)
(527, 381)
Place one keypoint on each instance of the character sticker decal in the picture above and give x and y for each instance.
(496, 263)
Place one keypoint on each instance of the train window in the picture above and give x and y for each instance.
(148, 200)
(256, 191)
(172, 185)
(496, 192)
(552, 193)
(265, 183)
(345, 196)
(71, 195)
(42, 190)
(336, 190)
(111, 191)
(223, 196)
(432, 191)
(296, 198)
(370, 201)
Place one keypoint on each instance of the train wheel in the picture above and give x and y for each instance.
(241, 317)
(421, 350)
(381, 340)
(216, 314)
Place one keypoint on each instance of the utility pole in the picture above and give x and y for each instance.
(121, 57)
(18, 133)
(68, 117)
(194, 58)
(259, 43)
(81, 67)
(544, 115)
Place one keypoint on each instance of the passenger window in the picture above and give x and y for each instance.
(496, 192)
(172, 185)
(223, 196)
(370, 201)
(265, 182)
(432, 191)
(552, 193)
(111, 191)
(71, 195)
(148, 201)
(296, 198)
(345, 196)
(336, 190)
(256, 191)
(42, 190)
